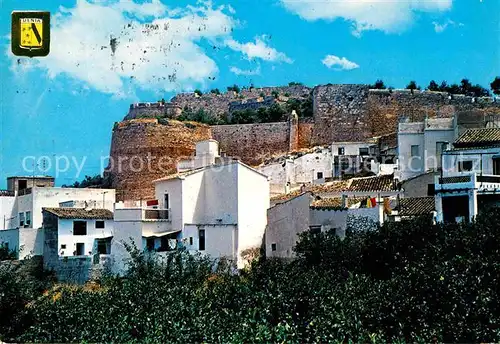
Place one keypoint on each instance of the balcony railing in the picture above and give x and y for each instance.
(23, 192)
(488, 179)
(455, 179)
(157, 214)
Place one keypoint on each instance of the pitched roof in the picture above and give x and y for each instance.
(336, 186)
(80, 213)
(482, 137)
(378, 183)
(415, 206)
(196, 170)
(333, 202)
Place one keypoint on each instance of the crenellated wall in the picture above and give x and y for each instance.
(341, 113)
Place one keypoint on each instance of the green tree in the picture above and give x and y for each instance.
(379, 84)
(412, 86)
(495, 85)
(433, 86)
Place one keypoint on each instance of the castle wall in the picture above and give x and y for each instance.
(340, 113)
(355, 112)
(252, 143)
(143, 150)
(385, 108)
(305, 134)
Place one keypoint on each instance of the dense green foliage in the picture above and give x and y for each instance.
(405, 282)
(465, 87)
(96, 181)
(495, 86)
(412, 86)
(274, 113)
(6, 253)
(378, 85)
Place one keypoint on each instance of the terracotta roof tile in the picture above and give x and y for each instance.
(478, 137)
(415, 206)
(336, 186)
(378, 183)
(333, 202)
(80, 213)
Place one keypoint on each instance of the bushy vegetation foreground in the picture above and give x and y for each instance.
(406, 282)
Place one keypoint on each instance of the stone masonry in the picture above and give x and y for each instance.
(340, 113)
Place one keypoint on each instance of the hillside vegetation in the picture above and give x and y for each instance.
(405, 282)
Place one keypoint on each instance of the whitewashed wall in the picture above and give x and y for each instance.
(174, 189)
(220, 240)
(285, 222)
(7, 211)
(46, 197)
(11, 238)
(66, 236)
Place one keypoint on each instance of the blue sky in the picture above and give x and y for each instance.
(65, 104)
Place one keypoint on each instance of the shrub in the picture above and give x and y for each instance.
(403, 282)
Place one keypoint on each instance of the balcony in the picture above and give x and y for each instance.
(156, 214)
(23, 192)
(471, 181)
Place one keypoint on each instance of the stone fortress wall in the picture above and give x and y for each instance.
(218, 104)
(340, 113)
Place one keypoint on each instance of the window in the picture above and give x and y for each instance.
(415, 150)
(22, 184)
(28, 218)
(80, 249)
(102, 247)
(21, 219)
(201, 239)
(496, 166)
(315, 229)
(341, 151)
(166, 203)
(63, 247)
(364, 151)
(191, 241)
(319, 175)
(273, 246)
(99, 224)
(431, 189)
(79, 227)
(464, 166)
(150, 244)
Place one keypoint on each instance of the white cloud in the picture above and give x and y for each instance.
(260, 49)
(440, 27)
(157, 48)
(239, 71)
(387, 15)
(339, 63)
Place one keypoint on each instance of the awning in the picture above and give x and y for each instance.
(105, 238)
(149, 234)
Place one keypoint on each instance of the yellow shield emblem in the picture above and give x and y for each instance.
(31, 33)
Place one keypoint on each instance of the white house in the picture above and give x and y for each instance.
(470, 180)
(219, 210)
(309, 212)
(299, 168)
(420, 145)
(81, 231)
(22, 214)
(206, 153)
